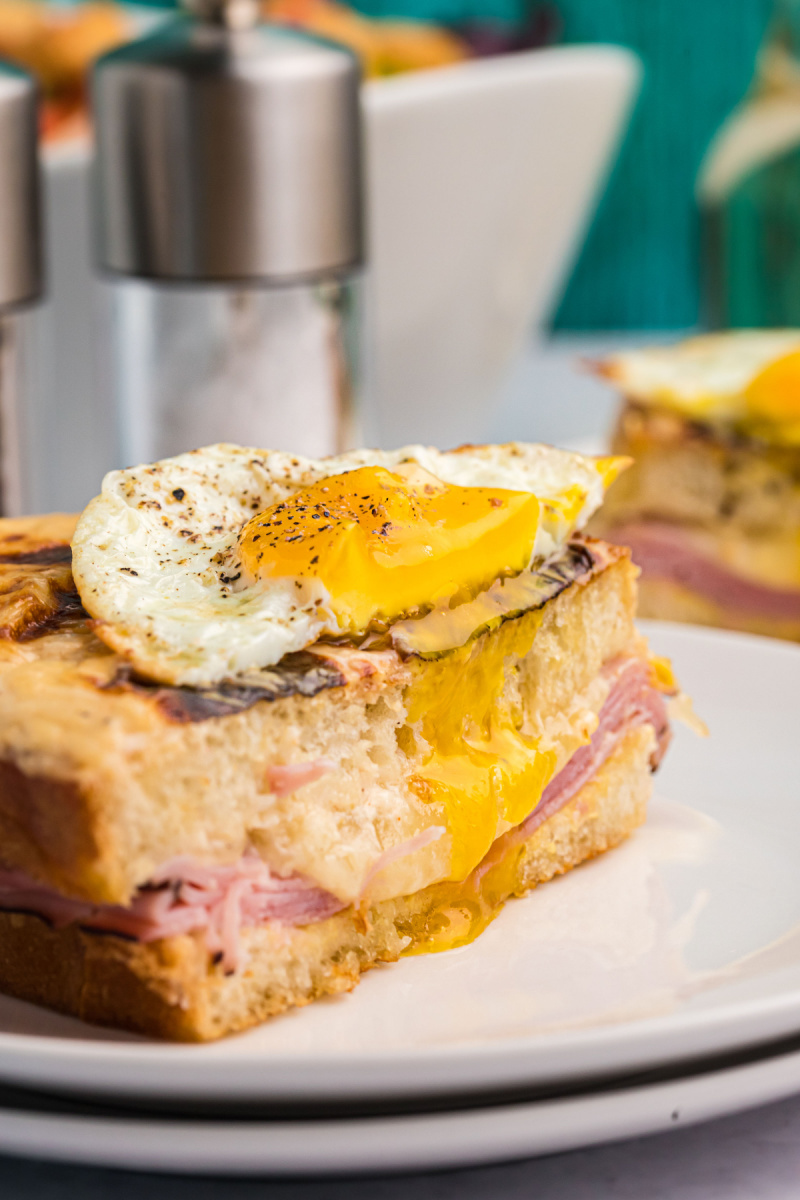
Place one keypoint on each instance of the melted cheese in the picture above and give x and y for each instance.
(479, 768)
(459, 912)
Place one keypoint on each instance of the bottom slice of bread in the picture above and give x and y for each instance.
(168, 989)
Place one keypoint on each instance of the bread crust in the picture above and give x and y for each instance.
(170, 989)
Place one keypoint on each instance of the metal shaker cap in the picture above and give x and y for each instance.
(228, 154)
(20, 231)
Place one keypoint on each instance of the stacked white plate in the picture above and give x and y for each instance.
(658, 985)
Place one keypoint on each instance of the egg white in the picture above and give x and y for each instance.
(155, 554)
(703, 376)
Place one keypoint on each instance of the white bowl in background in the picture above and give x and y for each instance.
(481, 181)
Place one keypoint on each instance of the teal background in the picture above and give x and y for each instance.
(639, 267)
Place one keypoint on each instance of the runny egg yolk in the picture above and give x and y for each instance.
(774, 394)
(387, 543)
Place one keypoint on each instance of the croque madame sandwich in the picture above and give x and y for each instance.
(272, 720)
(711, 506)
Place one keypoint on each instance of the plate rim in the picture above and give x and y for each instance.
(405, 1143)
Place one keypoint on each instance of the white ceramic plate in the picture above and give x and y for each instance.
(682, 943)
(385, 1145)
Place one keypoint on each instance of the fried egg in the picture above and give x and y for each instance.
(749, 378)
(204, 567)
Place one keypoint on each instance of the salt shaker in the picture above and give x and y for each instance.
(20, 279)
(229, 220)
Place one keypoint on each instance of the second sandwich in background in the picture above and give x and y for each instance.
(711, 506)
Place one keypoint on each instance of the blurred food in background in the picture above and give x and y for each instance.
(749, 190)
(390, 45)
(385, 47)
(711, 505)
(57, 45)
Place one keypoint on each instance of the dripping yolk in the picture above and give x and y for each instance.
(388, 543)
(774, 394)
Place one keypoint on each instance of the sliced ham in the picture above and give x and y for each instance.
(669, 552)
(425, 838)
(185, 895)
(632, 701)
(282, 781)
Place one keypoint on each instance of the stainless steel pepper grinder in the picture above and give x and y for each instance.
(20, 280)
(229, 219)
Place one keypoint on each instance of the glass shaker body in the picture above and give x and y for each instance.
(20, 288)
(21, 431)
(276, 368)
